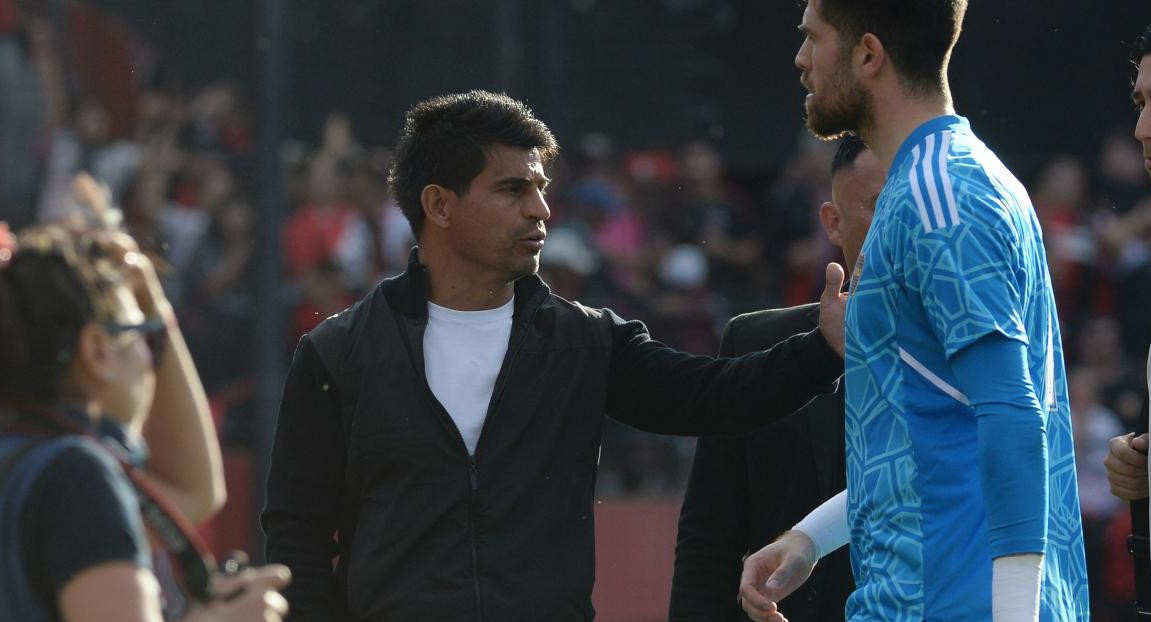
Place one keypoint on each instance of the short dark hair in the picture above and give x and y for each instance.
(918, 34)
(850, 146)
(54, 285)
(1141, 48)
(445, 140)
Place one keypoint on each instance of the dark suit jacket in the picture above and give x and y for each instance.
(745, 491)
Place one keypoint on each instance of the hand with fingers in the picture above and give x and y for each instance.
(773, 573)
(139, 269)
(252, 595)
(96, 216)
(833, 308)
(1126, 464)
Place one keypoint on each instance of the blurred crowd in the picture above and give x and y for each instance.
(672, 237)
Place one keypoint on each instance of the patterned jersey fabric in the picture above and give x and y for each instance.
(954, 254)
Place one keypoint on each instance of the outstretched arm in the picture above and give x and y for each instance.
(658, 389)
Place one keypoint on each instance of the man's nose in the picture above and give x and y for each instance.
(1143, 126)
(537, 208)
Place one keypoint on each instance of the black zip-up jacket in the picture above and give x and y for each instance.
(368, 466)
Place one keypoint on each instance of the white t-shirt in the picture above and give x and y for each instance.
(463, 353)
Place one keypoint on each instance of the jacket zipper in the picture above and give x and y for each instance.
(473, 470)
(473, 477)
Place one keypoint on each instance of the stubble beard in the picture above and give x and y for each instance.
(518, 263)
(521, 263)
(847, 109)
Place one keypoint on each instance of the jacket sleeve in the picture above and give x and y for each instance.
(712, 536)
(656, 388)
(305, 480)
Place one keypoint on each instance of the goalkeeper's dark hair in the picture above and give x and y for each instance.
(918, 35)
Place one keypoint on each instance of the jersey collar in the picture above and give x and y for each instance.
(938, 124)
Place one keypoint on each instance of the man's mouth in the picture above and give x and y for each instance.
(534, 240)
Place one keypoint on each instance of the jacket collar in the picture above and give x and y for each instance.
(408, 292)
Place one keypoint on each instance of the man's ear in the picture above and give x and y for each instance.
(438, 203)
(829, 217)
(869, 56)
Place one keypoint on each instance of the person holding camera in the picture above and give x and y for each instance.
(106, 444)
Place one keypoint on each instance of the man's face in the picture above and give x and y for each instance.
(836, 102)
(1142, 97)
(854, 191)
(499, 222)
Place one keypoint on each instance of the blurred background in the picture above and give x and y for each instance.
(248, 143)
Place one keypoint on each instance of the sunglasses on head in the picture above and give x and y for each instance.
(154, 331)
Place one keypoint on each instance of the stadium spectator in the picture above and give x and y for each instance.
(86, 145)
(220, 304)
(789, 230)
(21, 114)
(105, 438)
(328, 247)
(1094, 424)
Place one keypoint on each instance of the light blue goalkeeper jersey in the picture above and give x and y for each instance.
(954, 253)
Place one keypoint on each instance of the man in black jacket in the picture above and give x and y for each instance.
(439, 439)
(1126, 462)
(746, 490)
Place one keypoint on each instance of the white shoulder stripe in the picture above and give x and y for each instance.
(929, 181)
(1049, 367)
(927, 226)
(948, 193)
(939, 383)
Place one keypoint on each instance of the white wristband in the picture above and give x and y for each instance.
(826, 525)
(1015, 583)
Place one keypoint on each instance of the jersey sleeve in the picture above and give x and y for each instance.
(1013, 446)
(83, 512)
(969, 281)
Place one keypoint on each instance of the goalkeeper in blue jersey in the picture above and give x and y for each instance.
(961, 500)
